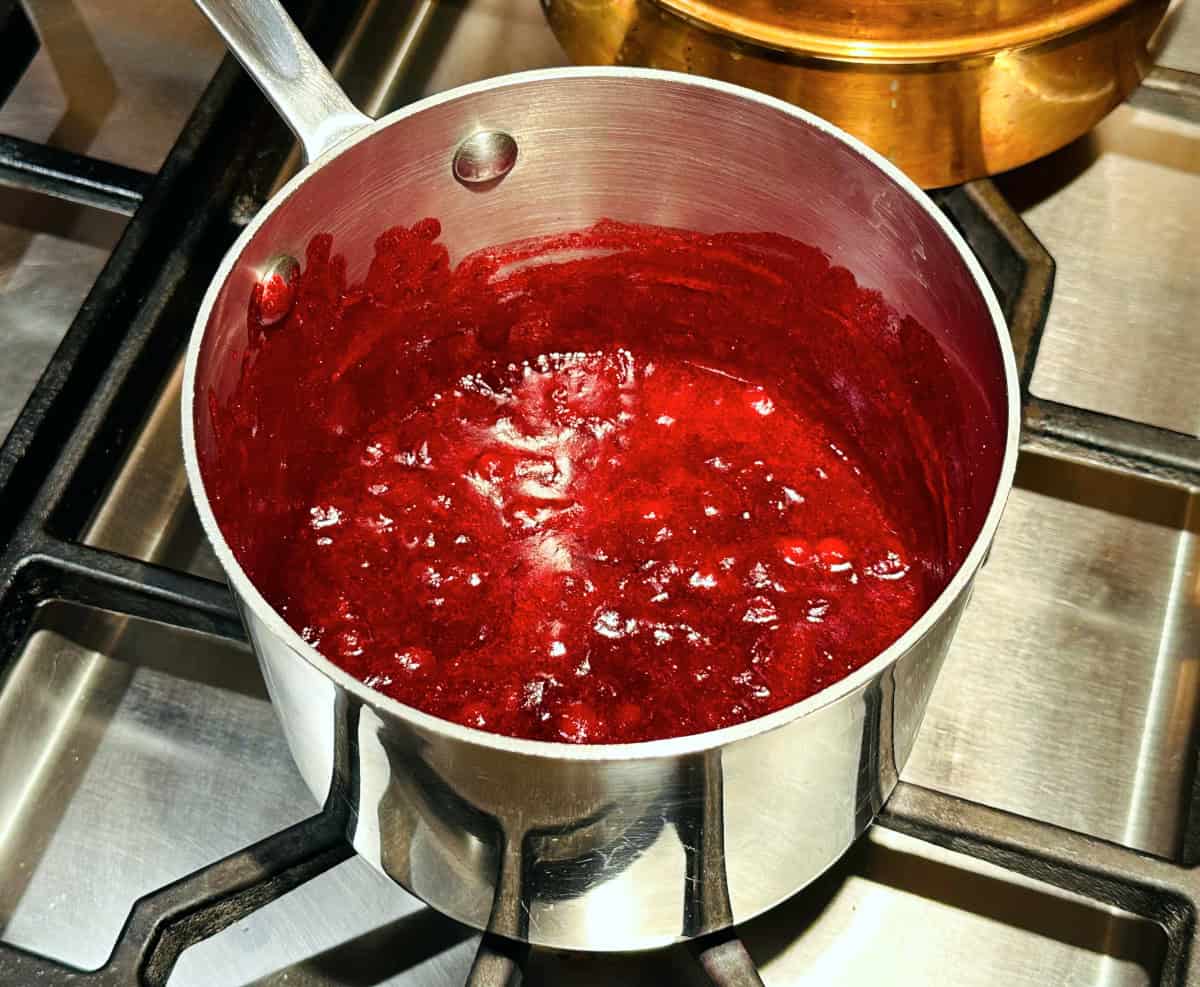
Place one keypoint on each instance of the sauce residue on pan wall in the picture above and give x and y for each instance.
(617, 485)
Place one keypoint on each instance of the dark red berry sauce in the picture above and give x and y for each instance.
(619, 485)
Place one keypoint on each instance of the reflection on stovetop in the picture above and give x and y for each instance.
(113, 79)
(132, 753)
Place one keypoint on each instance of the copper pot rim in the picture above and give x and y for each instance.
(718, 17)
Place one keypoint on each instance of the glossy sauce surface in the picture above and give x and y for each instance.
(620, 485)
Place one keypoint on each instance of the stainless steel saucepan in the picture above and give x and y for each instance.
(596, 847)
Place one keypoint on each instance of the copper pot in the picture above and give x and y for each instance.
(947, 90)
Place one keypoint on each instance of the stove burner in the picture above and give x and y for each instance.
(124, 343)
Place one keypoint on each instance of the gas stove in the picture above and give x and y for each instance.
(152, 826)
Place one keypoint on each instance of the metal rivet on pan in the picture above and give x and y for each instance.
(278, 279)
(485, 157)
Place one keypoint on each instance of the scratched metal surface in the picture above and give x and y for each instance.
(114, 79)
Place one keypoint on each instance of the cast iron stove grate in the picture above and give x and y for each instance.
(42, 168)
(130, 332)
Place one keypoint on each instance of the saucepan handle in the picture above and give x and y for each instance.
(271, 48)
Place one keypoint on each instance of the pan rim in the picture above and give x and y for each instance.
(671, 747)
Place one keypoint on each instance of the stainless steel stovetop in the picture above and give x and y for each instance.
(132, 753)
